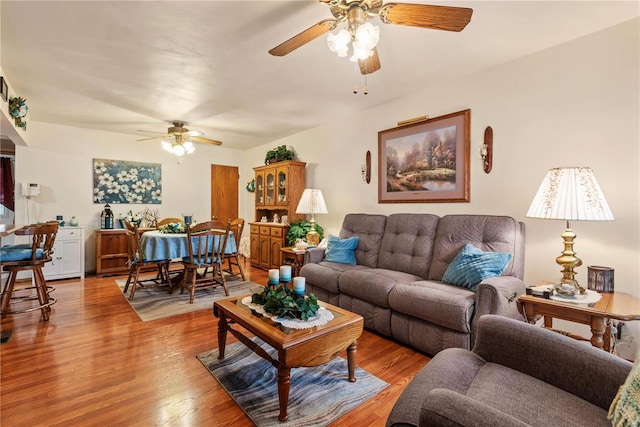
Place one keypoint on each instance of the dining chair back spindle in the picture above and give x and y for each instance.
(233, 258)
(206, 242)
(29, 256)
(137, 262)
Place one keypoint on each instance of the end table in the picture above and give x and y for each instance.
(293, 258)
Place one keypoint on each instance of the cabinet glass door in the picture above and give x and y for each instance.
(283, 198)
(260, 189)
(270, 178)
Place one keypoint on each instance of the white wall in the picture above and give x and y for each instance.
(576, 104)
(60, 158)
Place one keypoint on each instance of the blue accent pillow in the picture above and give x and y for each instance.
(341, 250)
(471, 266)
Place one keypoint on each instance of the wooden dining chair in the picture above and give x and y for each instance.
(29, 256)
(233, 258)
(137, 262)
(206, 242)
(166, 221)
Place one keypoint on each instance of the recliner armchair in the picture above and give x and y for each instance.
(516, 375)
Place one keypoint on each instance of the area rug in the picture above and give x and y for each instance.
(317, 397)
(157, 303)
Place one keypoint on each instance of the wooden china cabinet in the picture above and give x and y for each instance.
(279, 187)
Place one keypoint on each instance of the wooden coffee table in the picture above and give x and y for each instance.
(296, 347)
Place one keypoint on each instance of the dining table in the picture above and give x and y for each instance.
(158, 245)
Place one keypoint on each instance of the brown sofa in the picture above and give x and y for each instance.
(396, 285)
(517, 375)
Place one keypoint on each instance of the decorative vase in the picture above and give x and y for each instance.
(73, 221)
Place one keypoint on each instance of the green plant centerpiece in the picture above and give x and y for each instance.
(282, 302)
(299, 230)
(279, 154)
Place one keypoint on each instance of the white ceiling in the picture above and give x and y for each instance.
(126, 65)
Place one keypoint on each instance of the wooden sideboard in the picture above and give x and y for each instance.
(111, 252)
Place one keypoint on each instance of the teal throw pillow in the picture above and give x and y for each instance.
(472, 265)
(341, 250)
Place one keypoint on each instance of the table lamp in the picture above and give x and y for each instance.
(570, 194)
(312, 203)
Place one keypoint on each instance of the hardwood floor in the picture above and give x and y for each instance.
(96, 363)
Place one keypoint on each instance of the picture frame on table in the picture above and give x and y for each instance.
(4, 89)
(425, 162)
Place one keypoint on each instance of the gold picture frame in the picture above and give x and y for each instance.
(425, 162)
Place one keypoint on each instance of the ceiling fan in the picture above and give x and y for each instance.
(364, 37)
(179, 140)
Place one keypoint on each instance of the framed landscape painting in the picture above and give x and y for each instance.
(425, 162)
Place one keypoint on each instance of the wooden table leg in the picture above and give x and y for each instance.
(222, 336)
(284, 382)
(597, 331)
(351, 360)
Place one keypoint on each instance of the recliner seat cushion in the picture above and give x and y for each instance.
(373, 284)
(445, 305)
(325, 274)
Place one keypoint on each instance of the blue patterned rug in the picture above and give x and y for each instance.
(317, 397)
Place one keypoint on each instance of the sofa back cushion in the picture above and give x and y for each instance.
(407, 244)
(369, 229)
(486, 232)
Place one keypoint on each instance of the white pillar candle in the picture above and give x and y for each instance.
(285, 273)
(298, 284)
(274, 276)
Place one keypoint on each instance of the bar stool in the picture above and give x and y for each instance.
(33, 256)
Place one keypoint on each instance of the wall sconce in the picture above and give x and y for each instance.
(486, 151)
(365, 168)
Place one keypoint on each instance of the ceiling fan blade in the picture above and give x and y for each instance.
(304, 37)
(193, 133)
(426, 16)
(371, 64)
(150, 131)
(153, 137)
(205, 140)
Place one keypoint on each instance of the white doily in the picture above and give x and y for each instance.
(322, 317)
(590, 298)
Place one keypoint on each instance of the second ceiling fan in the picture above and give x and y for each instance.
(364, 36)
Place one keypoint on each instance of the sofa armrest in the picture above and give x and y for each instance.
(551, 357)
(498, 295)
(444, 407)
(314, 255)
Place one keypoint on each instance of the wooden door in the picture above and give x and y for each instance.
(224, 192)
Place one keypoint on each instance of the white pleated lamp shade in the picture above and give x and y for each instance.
(571, 194)
(312, 202)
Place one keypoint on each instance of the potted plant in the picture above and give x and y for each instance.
(279, 154)
(299, 230)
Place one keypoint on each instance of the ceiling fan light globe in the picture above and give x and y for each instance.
(360, 52)
(339, 42)
(166, 145)
(189, 147)
(178, 150)
(367, 35)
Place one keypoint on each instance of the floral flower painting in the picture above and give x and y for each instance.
(119, 181)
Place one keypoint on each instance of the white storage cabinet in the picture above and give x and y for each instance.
(68, 255)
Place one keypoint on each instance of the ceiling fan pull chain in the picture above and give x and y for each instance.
(355, 78)
(366, 90)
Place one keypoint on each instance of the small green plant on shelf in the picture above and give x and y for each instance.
(282, 302)
(299, 230)
(279, 154)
